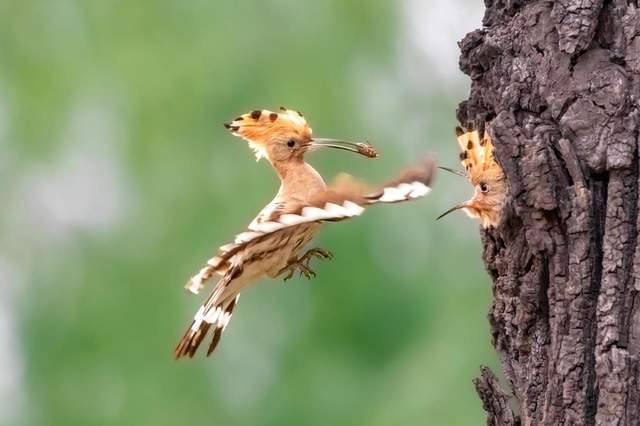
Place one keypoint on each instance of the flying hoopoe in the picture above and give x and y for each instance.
(484, 173)
(272, 244)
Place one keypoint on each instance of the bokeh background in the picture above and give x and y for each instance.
(117, 181)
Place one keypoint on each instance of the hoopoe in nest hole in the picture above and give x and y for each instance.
(484, 173)
(272, 244)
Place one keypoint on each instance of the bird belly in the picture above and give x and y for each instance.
(269, 257)
(297, 239)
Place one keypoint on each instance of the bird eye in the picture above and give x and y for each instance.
(291, 143)
(483, 187)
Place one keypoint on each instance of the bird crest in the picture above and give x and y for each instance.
(484, 173)
(281, 136)
(259, 126)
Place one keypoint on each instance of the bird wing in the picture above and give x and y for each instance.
(411, 184)
(278, 221)
(344, 199)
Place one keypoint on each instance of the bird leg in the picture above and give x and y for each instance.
(301, 264)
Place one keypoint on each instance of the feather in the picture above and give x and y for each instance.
(476, 154)
(215, 311)
(413, 183)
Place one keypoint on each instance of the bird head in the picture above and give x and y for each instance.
(486, 176)
(285, 136)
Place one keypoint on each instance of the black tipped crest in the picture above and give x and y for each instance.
(231, 127)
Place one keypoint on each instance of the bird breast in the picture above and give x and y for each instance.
(287, 246)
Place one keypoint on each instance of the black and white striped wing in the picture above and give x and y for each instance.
(413, 183)
(335, 204)
(261, 232)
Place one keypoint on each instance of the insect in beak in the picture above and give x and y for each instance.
(452, 209)
(361, 148)
(452, 171)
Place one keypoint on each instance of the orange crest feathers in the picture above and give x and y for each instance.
(477, 153)
(257, 127)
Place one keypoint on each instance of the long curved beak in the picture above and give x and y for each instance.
(361, 148)
(452, 209)
(452, 171)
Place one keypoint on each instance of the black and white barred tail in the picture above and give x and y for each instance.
(215, 312)
(218, 317)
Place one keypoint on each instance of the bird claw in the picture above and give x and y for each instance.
(290, 274)
(317, 252)
(303, 268)
(301, 264)
(306, 271)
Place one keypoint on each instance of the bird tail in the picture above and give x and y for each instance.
(217, 316)
(216, 311)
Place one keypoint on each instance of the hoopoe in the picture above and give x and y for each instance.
(484, 173)
(272, 244)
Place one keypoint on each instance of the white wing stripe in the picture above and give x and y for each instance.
(419, 190)
(335, 210)
(403, 192)
(392, 194)
(405, 187)
(194, 287)
(266, 227)
(245, 237)
(292, 219)
(214, 261)
(353, 208)
(227, 247)
(314, 213)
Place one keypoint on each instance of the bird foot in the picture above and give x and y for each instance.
(301, 264)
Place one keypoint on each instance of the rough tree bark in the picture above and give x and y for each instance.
(559, 84)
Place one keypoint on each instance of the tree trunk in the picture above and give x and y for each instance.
(559, 85)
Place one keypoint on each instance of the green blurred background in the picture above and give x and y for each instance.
(117, 181)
